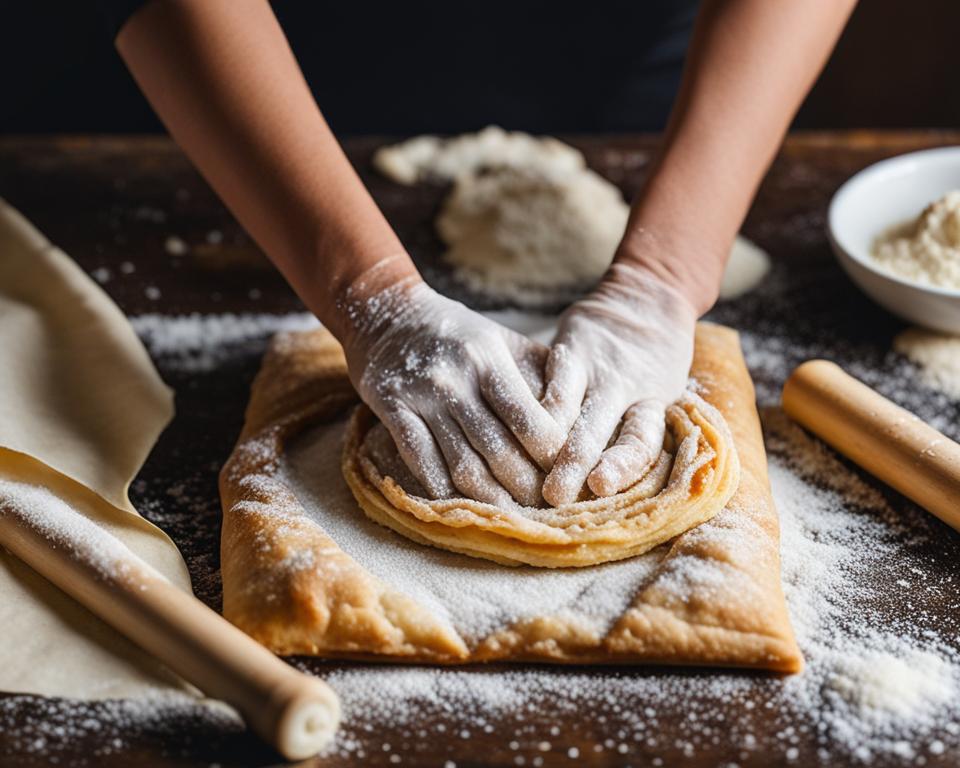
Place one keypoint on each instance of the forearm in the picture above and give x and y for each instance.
(751, 63)
(223, 79)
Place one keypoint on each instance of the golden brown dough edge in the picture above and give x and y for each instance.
(336, 609)
(484, 531)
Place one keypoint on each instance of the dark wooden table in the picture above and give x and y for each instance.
(112, 202)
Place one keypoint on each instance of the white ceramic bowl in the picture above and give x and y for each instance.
(878, 197)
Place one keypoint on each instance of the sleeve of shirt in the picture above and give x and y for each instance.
(117, 12)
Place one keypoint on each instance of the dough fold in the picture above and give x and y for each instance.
(681, 490)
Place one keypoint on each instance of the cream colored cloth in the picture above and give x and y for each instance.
(79, 398)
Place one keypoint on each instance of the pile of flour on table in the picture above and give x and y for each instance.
(526, 220)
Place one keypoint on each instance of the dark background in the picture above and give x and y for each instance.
(400, 68)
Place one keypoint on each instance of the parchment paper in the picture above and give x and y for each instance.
(80, 397)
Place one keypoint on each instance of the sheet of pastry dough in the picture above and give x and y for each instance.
(714, 599)
(79, 398)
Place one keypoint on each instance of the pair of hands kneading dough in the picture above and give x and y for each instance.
(481, 411)
(304, 572)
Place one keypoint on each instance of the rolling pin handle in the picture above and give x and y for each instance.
(299, 718)
(888, 441)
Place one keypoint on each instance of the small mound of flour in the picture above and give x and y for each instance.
(881, 686)
(936, 354)
(746, 268)
(532, 237)
(928, 250)
(527, 222)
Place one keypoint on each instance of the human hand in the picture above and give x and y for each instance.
(623, 352)
(458, 393)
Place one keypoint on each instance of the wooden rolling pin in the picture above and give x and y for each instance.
(883, 438)
(294, 712)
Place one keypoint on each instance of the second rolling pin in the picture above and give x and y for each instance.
(883, 438)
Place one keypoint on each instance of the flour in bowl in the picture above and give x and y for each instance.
(927, 250)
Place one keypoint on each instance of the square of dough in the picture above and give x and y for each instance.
(306, 572)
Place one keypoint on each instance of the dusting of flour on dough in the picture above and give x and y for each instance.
(871, 690)
(476, 596)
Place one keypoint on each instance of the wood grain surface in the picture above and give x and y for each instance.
(112, 203)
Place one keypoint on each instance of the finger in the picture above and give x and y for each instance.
(470, 475)
(504, 456)
(511, 399)
(566, 386)
(381, 448)
(531, 359)
(589, 436)
(637, 446)
(420, 452)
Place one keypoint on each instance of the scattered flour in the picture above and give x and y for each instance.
(55, 731)
(175, 246)
(199, 343)
(880, 685)
(937, 355)
(882, 673)
(926, 250)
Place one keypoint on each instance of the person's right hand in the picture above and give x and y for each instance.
(620, 357)
(458, 393)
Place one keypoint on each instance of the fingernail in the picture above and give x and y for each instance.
(603, 481)
(559, 491)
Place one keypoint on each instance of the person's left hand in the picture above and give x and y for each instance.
(621, 353)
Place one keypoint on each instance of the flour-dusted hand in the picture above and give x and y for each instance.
(458, 392)
(622, 354)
